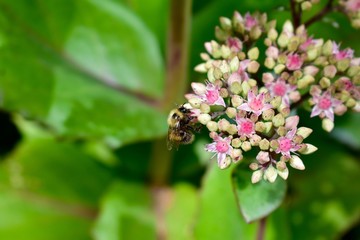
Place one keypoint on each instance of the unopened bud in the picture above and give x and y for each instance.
(296, 163)
(225, 23)
(224, 93)
(278, 120)
(201, 68)
(198, 88)
(254, 166)
(304, 131)
(223, 125)
(274, 144)
(224, 163)
(311, 70)
(253, 67)
(232, 129)
(276, 102)
(254, 140)
(204, 118)
(246, 146)
(210, 75)
(283, 40)
(212, 126)
(236, 155)
(236, 142)
(263, 157)
(350, 103)
(327, 48)
(234, 64)
(255, 33)
(204, 108)
(245, 88)
(325, 82)
(256, 176)
(269, 63)
(236, 100)
(309, 149)
(264, 144)
(195, 102)
(306, 5)
(327, 124)
(268, 114)
(340, 109)
(267, 77)
(343, 64)
(281, 131)
(260, 127)
(253, 53)
(279, 68)
(330, 71)
(271, 174)
(272, 34)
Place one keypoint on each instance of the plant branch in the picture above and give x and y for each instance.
(295, 13)
(176, 79)
(328, 8)
(261, 229)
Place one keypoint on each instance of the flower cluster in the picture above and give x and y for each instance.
(352, 9)
(248, 96)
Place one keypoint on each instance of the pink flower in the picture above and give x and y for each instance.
(286, 144)
(341, 54)
(255, 104)
(294, 62)
(234, 44)
(221, 147)
(245, 126)
(272, 52)
(209, 94)
(352, 5)
(212, 95)
(241, 74)
(282, 89)
(304, 46)
(324, 104)
(250, 21)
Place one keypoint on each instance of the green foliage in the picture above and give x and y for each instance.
(257, 200)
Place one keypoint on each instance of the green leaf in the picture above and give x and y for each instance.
(56, 170)
(257, 200)
(219, 217)
(325, 202)
(126, 214)
(26, 217)
(181, 204)
(88, 72)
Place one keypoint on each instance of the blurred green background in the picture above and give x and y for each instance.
(83, 121)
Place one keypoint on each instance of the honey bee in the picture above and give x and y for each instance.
(181, 126)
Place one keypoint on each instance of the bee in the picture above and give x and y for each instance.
(181, 126)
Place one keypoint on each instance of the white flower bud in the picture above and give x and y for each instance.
(296, 162)
(256, 176)
(271, 174)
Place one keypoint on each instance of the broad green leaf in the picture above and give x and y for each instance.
(347, 130)
(219, 217)
(181, 204)
(71, 55)
(126, 214)
(257, 200)
(325, 202)
(28, 217)
(56, 170)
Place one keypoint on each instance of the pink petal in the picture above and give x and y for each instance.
(220, 101)
(211, 147)
(245, 107)
(329, 114)
(316, 111)
(221, 157)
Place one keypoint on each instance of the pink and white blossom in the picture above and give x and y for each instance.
(324, 105)
(234, 44)
(286, 144)
(352, 5)
(240, 75)
(341, 54)
(250, 21)
(245, 126)
(294, 62)
(209, 95)
(255, 104)
(221, 147)
(282, 89)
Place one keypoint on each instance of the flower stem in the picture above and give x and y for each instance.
(176, 79)
(328, 8)
(295, 13)
(261, 229)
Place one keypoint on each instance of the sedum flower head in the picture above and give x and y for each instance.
(246, 102)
